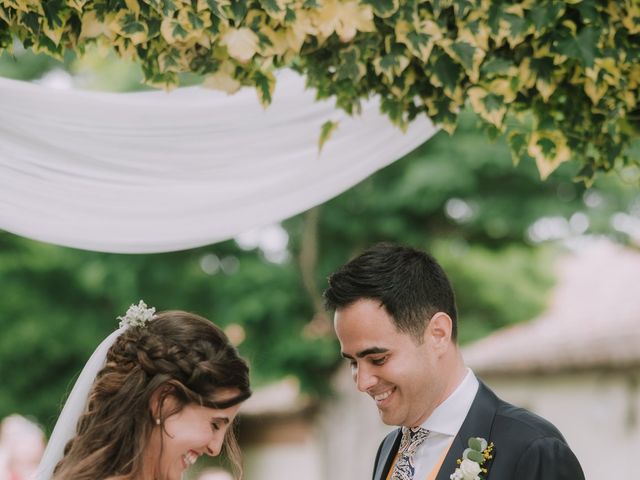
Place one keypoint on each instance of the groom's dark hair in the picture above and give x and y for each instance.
(408, 283)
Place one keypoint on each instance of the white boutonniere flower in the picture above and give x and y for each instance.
(470, 465)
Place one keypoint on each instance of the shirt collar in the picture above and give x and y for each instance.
(448, 417)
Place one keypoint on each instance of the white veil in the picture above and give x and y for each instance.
(65, 427)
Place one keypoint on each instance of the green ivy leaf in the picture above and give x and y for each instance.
(349, 68)
(131, 26)
(383, 8)
(496, 66)
(53, 12)
(290, 15)
(196, 22)
(270, 6)
(493, 102)
(588, 11)
(215, 8)
(517, 26)
(265, 84)
(548, 146)
(166, 7)
(394, 109)
(170, 60)
(462, 7)
(583, 48)
(326, 131)
(543, 67)
(442, 112)
(46, 45)
(239, 10)
(543, 14)
(446, 71)
(464, 52)
(31, 20)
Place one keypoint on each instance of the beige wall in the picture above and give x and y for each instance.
(598, 413)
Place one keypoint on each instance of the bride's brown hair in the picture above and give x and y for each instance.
(178, 354)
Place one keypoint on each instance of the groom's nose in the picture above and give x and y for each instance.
(364, 378)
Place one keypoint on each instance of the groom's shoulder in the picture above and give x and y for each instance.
(514, 421)
(532, 443)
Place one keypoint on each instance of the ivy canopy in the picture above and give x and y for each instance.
(559, 79)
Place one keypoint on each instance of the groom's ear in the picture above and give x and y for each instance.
(438, 332)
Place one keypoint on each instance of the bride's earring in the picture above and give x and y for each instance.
(157, 421)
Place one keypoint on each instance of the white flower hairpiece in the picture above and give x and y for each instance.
(137, 315)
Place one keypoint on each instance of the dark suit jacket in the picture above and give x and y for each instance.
(526, 446)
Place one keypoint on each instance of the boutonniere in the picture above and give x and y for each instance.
(470, 465)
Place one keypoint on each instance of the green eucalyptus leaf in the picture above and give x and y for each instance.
(478, 444)
(475, 456)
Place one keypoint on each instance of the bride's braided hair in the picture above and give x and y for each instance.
(186, 355)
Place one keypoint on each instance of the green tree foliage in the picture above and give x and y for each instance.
(561, 79)
(57, 303)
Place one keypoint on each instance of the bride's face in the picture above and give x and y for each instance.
(193, 431)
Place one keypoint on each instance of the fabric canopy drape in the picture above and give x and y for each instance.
(156, 171)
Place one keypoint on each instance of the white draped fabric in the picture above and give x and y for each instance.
(156, 171)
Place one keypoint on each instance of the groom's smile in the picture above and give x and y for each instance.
(381, 397)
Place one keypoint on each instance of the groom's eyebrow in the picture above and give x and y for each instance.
(366, 351)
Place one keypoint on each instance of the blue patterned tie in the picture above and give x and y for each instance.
(411, 440)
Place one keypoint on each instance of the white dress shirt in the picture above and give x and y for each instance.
(444, 423)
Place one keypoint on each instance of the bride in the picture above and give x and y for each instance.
(167, 392)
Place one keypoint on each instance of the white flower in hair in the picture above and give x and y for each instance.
(137, 316)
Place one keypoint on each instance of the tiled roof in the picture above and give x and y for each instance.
(593, 320)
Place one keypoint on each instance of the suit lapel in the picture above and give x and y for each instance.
(388, 452)
(478, 423)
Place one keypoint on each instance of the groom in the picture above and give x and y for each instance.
(395, 317)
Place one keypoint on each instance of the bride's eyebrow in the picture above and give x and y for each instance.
(225, 420)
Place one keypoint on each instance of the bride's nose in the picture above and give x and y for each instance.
(215, 445)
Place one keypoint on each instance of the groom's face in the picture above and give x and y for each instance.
(400, 373)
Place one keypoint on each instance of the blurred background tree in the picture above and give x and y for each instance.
(490, 224)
